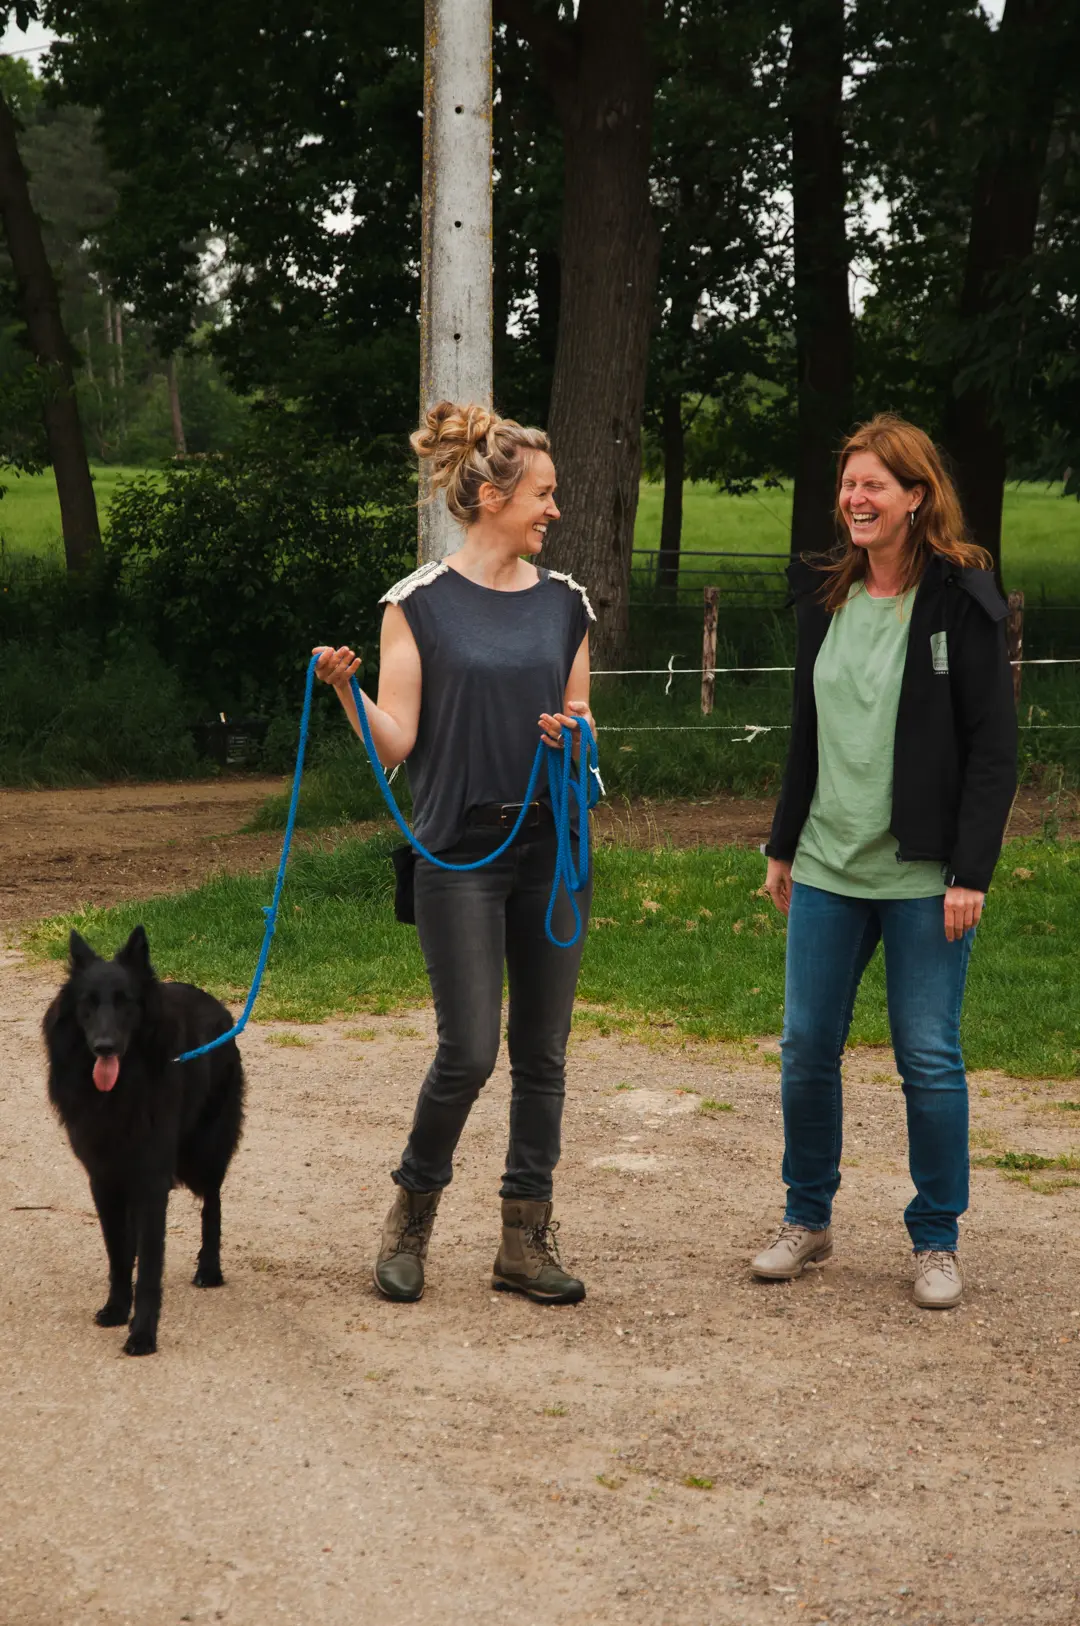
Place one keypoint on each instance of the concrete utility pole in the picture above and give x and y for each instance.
(455, 285)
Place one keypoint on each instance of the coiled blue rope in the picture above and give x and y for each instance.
(563, 785)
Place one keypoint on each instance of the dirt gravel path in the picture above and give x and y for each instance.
(62, 848)
(686, 1448)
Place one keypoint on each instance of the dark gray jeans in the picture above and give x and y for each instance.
(470, 926)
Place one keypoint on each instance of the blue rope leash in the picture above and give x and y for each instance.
(562, 784)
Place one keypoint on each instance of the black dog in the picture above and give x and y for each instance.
(138, 1120)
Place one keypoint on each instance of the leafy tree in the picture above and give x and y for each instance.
(971, 132)
(824, 335)
(36, 302)
(716, 170)
(290, 138)
(293, 137)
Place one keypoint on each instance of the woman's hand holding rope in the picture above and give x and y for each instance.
(336, 666)
(553, 723)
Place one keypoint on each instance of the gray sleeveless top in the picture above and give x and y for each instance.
(491, 662)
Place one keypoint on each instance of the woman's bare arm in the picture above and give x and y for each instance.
(395, 718)
(575, 700)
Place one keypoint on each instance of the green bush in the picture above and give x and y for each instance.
(71, 714)
(218, 576)
(234, 566)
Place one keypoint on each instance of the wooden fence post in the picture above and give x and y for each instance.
(1014, 633)
(708, 651)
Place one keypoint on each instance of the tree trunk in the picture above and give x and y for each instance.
(118, 336)
(1031, 51)
(110, 369)
(824, 339)
(674, 438)
(547, 306)
(39, 307)
(600, 72)
(118, 345)
(179, 440)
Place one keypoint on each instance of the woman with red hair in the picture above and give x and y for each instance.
(900, 775)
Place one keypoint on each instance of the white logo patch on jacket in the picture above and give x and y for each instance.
(939, 652)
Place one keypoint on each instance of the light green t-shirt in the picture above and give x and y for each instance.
(846, 845)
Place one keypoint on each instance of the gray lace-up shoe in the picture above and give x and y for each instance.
(939, 1283)
(399, 1269)
(793, 1249)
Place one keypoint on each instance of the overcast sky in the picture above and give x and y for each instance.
(16, 42)
(36, 37)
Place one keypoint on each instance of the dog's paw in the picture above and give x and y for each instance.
(113, 1315)
(207, 1276)
(141, 1343)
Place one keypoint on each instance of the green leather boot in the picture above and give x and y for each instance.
(528, 1257)
(399, 1269)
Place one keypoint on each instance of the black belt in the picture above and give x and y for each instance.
(504, 815)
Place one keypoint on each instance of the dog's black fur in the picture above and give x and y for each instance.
(161, 1123)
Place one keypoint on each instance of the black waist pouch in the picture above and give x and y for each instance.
(404, 862)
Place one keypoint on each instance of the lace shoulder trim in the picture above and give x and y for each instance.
(423, 577)
(563, 576)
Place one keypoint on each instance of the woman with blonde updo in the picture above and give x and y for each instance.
(478, 652)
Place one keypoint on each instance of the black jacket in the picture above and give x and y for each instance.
(954, 751)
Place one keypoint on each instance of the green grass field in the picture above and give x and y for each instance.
(1041, 534)
(681, 943)
(1040, 546)
(30, 511)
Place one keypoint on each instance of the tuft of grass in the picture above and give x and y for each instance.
(1025, 1162)
(361, 1035)
(338, 788)
(1044, 1188)
(709, 1106)
(609, 1481)
(1066, 1106)
(557, 1410)
(289, 1041)
(698, 1482)
(345, 953)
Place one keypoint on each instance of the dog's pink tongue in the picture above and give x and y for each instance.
(106, 1071)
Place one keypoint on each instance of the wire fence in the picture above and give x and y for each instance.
(748, 732)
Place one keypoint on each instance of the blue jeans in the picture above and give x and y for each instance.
(830, 941)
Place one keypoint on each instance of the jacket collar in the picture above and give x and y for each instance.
(805, 580)
(977, 584)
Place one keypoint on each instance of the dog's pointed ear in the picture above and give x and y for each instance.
(80, 951)
(135, 953)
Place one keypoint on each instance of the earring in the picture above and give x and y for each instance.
(911, 517)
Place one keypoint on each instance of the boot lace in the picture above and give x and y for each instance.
(416, 1231)
(543, 1239)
